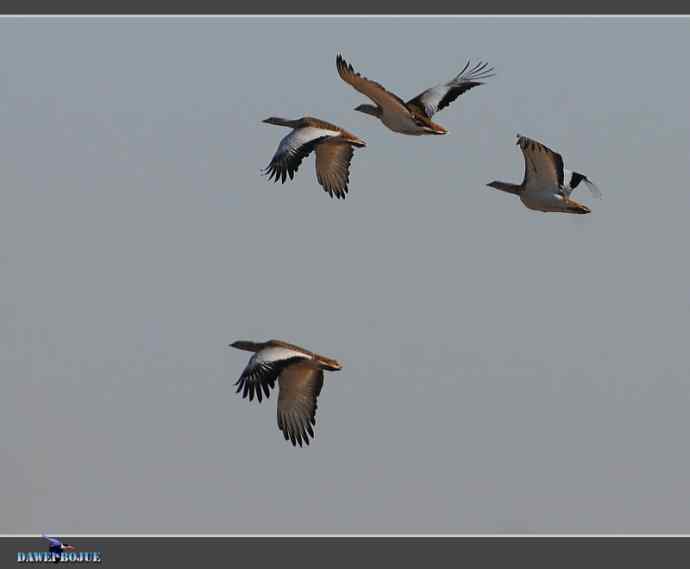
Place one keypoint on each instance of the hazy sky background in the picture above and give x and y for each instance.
(504, 370)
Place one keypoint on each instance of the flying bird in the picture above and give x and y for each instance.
(300, 377)
(333, 146)
(547, 184)
(57, 547)
(413, 117)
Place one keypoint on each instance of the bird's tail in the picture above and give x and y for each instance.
(328, 363)
(577, 208)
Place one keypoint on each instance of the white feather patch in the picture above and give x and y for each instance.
(301, 136)
(276, 354)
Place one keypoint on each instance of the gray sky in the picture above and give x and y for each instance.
(504, 370)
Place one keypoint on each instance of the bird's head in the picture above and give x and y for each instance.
(279, 122)
(369, 110)
(246, 345)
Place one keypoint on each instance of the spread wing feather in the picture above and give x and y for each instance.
(263, 369)
(375, 91)
(294, 148)
(333, 166)
(572, 180)
(300, 385)
(440, 96)
(543, 166)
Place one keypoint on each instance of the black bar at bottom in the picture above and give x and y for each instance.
(471, 552)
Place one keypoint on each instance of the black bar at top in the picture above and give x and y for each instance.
(352, 7)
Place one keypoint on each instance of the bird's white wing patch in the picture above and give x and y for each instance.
(440, 96)
(293, 148)
(264, 367)
(275, 354)
(431, 98)
(299, 137)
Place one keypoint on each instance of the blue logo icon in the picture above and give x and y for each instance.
(59, 552)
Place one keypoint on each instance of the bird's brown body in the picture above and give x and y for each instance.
(299, 373)
(333, 147)
(547, 185)
(414, 116)
(321, 361)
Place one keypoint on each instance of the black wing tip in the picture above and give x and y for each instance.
(341, 63)
(339, 194)
(249, 389)
(298, 431)
(478, 72)
(275, 173)
(269, 171)
(300, 438)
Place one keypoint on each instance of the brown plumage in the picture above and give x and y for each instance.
(547, 184)
(333, 146)
(414, 116)
(540, 160)
(299, 373)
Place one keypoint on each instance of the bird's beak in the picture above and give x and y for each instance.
(69, 547)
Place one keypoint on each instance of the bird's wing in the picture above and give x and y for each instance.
(571, 180)
(294, 147)
(300, 385)
(333, 166)
(263, 369)
(439, 97)
(375, 91)
(54, 542)
(543, 166)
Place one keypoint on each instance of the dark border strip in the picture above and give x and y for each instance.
(363, 7)
(538, 551)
